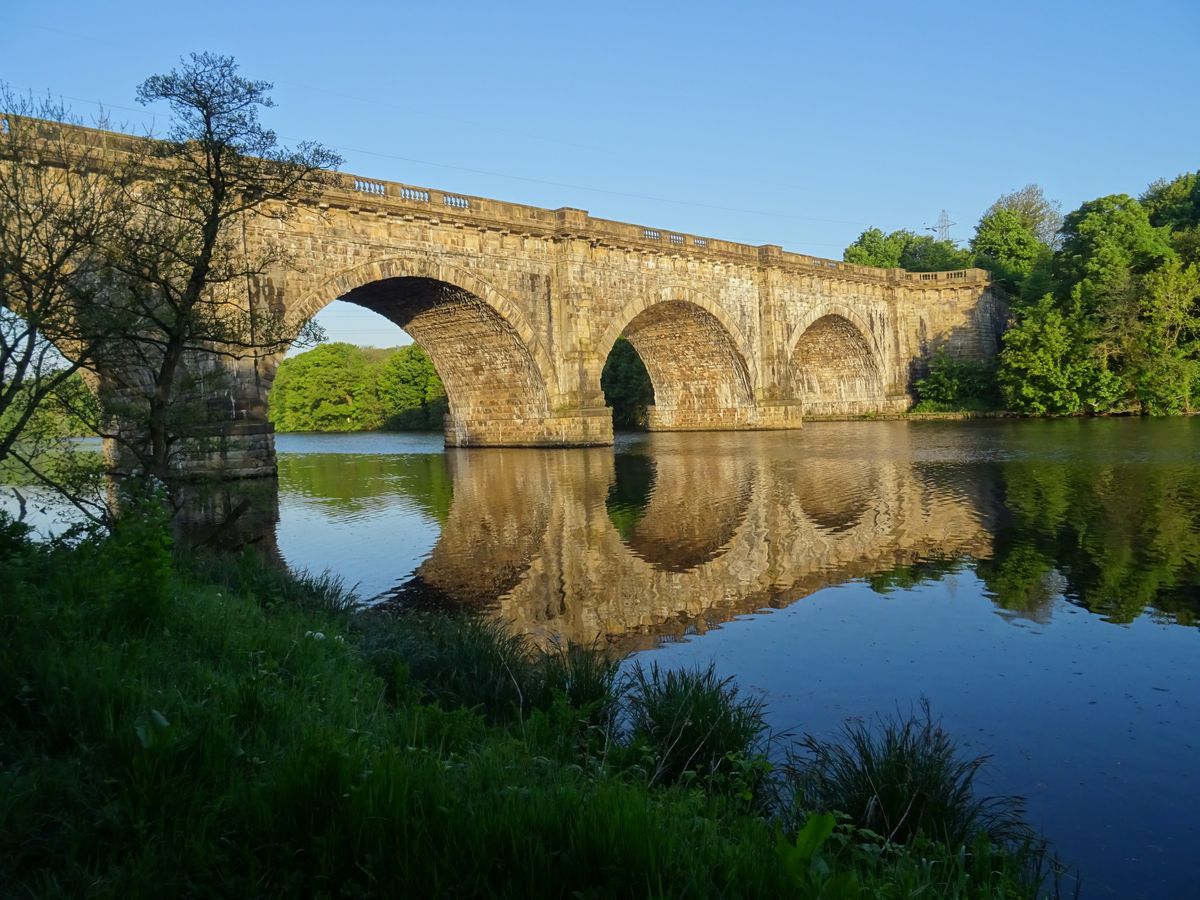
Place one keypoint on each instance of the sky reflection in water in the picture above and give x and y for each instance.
(1039, 582)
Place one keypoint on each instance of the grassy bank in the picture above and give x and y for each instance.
(177, 727)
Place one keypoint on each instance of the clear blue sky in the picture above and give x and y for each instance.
(794, 124)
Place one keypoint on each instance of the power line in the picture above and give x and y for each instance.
(540, 181)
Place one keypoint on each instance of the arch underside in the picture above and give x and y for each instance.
(496, 394)
(701, 380)
(835, 370)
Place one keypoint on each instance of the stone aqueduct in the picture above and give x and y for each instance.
(518, 308)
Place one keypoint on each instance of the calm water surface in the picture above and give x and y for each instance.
(1038, 582)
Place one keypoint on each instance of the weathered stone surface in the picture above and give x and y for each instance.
(518, 307)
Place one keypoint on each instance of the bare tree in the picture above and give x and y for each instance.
(182, 263)
(58, 209)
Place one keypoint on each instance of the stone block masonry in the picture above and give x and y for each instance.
(518, 308)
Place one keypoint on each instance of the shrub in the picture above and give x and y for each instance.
(585, 678)
(454, 661)
(903, 780)
(692, 723)
(956, 384)
(270, 583)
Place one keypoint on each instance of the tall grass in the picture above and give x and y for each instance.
(692, 723)
(903, 778)
(251, 738)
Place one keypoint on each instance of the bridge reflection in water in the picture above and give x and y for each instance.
(677, 532)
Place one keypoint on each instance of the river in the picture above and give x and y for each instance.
(1037, 582)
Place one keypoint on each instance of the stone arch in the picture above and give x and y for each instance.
(837, 366)
(698, 360)
(495, 369)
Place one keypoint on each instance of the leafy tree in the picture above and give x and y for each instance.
(1046, 367)
(329, 388)
(906, 250)
(1004, 245)
(1163, 347)
(1175, 205)
(956, 384)
(1040, 217)
(340, 387)
(410, 391)
(1104, 243)
(874, 248)
(181, 259)
(627, 387)
(924, 253)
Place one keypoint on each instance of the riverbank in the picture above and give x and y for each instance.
(178, 727)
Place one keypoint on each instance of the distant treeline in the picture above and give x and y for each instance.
(1105, 302)
(340, 387)
(627, 387)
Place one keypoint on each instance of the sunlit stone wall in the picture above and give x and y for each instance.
(519, 307)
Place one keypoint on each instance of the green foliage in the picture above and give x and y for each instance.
(1047, 367)
(1038, 216)
(341, 387)
(905, 780)
(458, 663)
(255, 741)
(585, 678)
(1162, 346)
(410, 391)
(1174, 204)
(1106, 302)
(627, 387)
(1004, 245)
(138, 559)
(907, 250)
(1120, 329)
(45, 445)
(65, 411)
(956, 384)
(1104, 243)
(874, 248)
(692, 724)
(925, 253)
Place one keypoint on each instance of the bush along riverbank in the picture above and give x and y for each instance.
(175, 725)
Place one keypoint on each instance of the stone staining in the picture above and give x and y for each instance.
(700, 379)
(835, 369)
